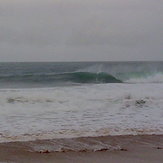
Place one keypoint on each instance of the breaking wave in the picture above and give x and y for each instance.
(76, 77)
(152, 78)
(83, 77)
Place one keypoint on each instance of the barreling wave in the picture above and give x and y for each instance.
(75, 77)
(130, 72)
(83, 77)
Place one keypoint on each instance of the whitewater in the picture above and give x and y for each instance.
(43, 101)
(104, 109)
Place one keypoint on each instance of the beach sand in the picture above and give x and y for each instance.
(107, 149)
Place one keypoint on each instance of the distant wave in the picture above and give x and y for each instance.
(84, 77)
(76, 77)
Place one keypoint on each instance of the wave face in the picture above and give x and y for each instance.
(60, 74)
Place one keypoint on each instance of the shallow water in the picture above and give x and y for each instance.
(86, 110)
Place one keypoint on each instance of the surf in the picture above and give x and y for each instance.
(75, 77)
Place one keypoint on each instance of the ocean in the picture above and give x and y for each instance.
(56, 100)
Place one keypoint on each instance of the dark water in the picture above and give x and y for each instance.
(15, 75)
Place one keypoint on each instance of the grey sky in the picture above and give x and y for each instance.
(81, 30)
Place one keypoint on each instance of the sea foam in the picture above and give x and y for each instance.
(86, 110)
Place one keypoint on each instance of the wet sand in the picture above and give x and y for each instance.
(107, 149)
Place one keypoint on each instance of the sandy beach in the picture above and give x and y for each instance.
(113, 149)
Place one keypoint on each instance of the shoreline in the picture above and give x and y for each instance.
(123, 149)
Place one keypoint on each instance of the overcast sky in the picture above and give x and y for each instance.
(81, 30)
